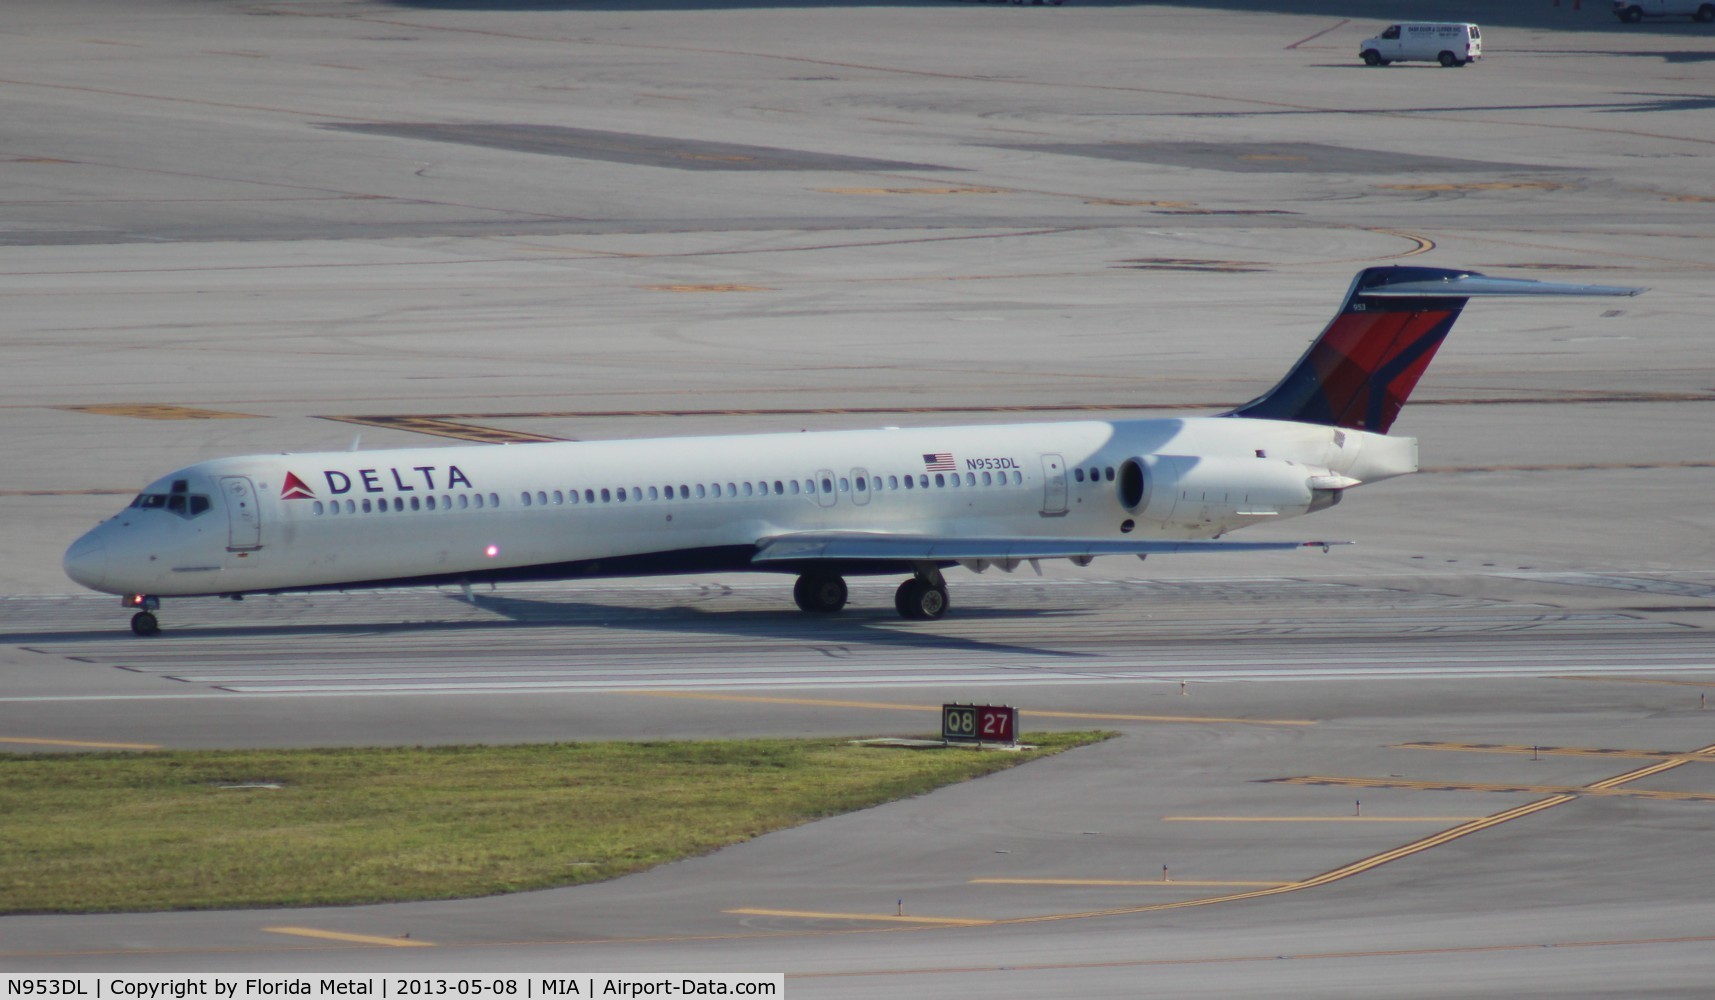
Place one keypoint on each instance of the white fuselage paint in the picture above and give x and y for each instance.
(269, 541)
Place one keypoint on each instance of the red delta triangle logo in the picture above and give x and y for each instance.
(294, 489)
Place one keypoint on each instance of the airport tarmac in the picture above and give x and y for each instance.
(1468, 755)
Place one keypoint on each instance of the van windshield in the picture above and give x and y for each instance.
(1391, 32)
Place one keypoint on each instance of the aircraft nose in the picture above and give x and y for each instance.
(86, 561)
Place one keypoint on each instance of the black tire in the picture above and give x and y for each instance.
(819, 594)
(920, 601)
(1449, 60)
(1372, 58)
(144, 623)
(1705, 13)
(1632, 15)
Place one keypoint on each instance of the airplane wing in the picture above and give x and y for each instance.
(1007, 553)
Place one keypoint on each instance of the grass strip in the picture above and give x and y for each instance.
(180, 830)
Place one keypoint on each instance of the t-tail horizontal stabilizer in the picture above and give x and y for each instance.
(1359, 372)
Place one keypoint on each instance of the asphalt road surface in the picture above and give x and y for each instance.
(1467, 756)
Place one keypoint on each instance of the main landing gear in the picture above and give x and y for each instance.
(820, 593)
(921, 598)
(144, 622)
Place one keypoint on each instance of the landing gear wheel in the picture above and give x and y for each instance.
(920, 601)
(144, 623)
(820, 595)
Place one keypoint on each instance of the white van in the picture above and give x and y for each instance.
(1450, 43)
(1633, 11)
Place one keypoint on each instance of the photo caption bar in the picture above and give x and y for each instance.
(388, 986)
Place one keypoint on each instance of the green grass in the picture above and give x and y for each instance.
(160, 831)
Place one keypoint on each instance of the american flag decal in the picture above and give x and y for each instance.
(941, 461)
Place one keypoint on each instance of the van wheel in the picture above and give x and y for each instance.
(1705, 13)
(1450, 60)
(1373, 58)
(1632, 15)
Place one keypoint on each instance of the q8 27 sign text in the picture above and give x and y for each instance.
(979, 724)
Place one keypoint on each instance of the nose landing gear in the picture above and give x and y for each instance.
(144, 622)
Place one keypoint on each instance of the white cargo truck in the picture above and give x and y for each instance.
(1451, 43)
(1633, 11)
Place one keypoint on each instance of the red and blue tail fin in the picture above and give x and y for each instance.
(1362, 368)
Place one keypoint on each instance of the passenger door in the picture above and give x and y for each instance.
(243, 516)
(1053, 486)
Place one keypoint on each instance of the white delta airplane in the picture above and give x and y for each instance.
(823, 506)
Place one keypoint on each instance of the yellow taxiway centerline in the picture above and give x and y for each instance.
(1319, 819)
(1546, 751)
(894, 918)
(1119, 882)
(85, 744)
(386, 942)
(900, 707)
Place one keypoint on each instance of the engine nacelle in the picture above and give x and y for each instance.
(1203, 493)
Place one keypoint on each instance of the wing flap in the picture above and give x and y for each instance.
(881, 547)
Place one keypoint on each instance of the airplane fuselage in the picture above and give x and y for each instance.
(823, 505)
(619, 508)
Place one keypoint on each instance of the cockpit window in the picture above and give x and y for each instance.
(185, 504)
